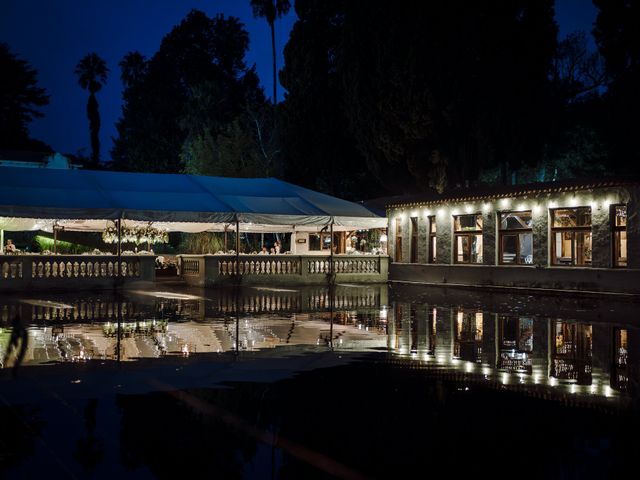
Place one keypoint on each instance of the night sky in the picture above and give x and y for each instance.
(54, 35)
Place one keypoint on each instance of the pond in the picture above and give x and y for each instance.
(296, 383)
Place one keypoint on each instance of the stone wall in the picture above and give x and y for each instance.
(540, 204)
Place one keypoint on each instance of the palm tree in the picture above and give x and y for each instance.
(270, 10)
(92, 75)
(133, 67)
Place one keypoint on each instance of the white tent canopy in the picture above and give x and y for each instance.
(86, 200)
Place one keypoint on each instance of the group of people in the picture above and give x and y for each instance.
(272, 251)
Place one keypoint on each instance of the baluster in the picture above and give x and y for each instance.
(5, 269)
(83, 269)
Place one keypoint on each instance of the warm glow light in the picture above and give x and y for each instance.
(505, 202)
(486, 207)
(414, 213)
(441, 211)
(427, 212)
(552, 204)
(468, 208)
(455, 211)
(607, 202)
(522, 207)
(573, 202)
(536, 209)
(594, 205)
(383, 237)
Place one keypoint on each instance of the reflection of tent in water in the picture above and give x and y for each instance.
(79, 342)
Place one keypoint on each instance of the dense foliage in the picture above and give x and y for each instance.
(194, 106)
(381, 98)
(20, 101)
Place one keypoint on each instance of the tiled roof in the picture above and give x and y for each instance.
(492, 192)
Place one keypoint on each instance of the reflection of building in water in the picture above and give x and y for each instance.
(467, 340)
(571, 354)
(620, 367)
(515, 344)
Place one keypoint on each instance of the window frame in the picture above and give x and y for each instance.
(574, 230)
(398, 244)
(469, 234)
(513, 231)
(432, 239)
(616, 229)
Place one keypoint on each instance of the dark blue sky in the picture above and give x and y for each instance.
(53, 35)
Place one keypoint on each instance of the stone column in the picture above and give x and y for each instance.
(489, 238)
(444, 233)
(423, 238)
(601, 236)
(541, 239)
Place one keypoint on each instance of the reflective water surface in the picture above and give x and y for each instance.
(357, 382)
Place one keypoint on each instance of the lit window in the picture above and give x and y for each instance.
(516, 238)
(432, 239)
(467, 238)
(571, 236)
(619, 226)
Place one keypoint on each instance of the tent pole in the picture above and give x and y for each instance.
(226, 246)
(237, 247)
(237, 237)
(55, 239)
(119, 251)
(2, 241)
(331, 244)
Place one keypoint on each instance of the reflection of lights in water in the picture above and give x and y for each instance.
(46, 303)
(505, 378)
(469, 367)
(185, 350)
(573, 388)
(536, 379)
(269, 289)
(168, 295)
(486, 371)
(553, 381)
(607, 391)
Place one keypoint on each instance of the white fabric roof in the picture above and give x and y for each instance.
(36, 198)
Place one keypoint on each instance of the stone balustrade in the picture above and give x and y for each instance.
(207, 270)
(20, 272)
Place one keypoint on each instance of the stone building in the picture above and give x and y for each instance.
(562, 236)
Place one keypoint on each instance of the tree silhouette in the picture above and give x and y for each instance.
(133, 67)
(270, 10)
(92, 75)
(20, 99)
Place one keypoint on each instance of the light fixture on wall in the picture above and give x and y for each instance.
(505, 202)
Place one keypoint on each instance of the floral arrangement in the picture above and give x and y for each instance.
(137, 235)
